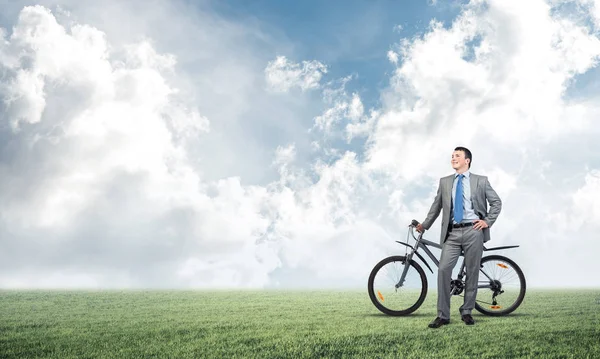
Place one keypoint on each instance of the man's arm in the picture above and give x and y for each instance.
(495, 204)
(435, 209)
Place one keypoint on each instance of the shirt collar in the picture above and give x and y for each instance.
(466, 174)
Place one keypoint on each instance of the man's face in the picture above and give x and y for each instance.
(459, 161)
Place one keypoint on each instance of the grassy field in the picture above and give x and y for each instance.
(285, 324)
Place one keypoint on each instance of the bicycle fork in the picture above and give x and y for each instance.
(407, 260)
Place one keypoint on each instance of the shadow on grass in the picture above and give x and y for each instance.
(477, 315)
(504, 316)
(381, 315)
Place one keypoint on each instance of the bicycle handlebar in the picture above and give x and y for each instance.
(412, 225)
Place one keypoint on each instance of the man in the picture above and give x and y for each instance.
(466, 226)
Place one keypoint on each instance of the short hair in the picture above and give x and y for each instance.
(467, 154)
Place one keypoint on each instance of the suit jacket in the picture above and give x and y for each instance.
(482, 193)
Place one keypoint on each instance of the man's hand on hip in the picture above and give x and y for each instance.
(480, 224)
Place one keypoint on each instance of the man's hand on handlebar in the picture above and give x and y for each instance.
(417, 225)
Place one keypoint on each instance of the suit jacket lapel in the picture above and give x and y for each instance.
(448, 191)
(473, 180)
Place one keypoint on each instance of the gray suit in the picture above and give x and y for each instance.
(466, 239)
(481, 194)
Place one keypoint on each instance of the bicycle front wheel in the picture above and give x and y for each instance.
(382, 286)
(501, 286)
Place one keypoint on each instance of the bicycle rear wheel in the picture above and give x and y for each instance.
(505, 284)
(397, 301)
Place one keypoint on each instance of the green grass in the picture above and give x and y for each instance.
(285, 324)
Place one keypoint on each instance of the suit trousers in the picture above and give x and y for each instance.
(470, 241)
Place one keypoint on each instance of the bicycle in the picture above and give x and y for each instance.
(501, 285)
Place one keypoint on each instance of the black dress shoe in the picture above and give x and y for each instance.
(468, 319)
(438, 322)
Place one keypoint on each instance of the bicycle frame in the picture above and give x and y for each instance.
(422, 243)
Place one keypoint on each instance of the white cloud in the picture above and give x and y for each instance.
(112, 171)
(345, 114)
(510, 92)
(122, 128)
(586, 209)
(393, 57)
(356, 109)
(282, 74)
(285, 155)
(331, 116)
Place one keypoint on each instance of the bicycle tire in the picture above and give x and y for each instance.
(520, 297)
(381, 307)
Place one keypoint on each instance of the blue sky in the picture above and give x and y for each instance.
(350, 37)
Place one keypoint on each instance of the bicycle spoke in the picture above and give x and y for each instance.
(505, 289)
(385, 293)
(484, 302)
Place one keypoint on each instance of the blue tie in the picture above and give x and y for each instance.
(458, 200)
